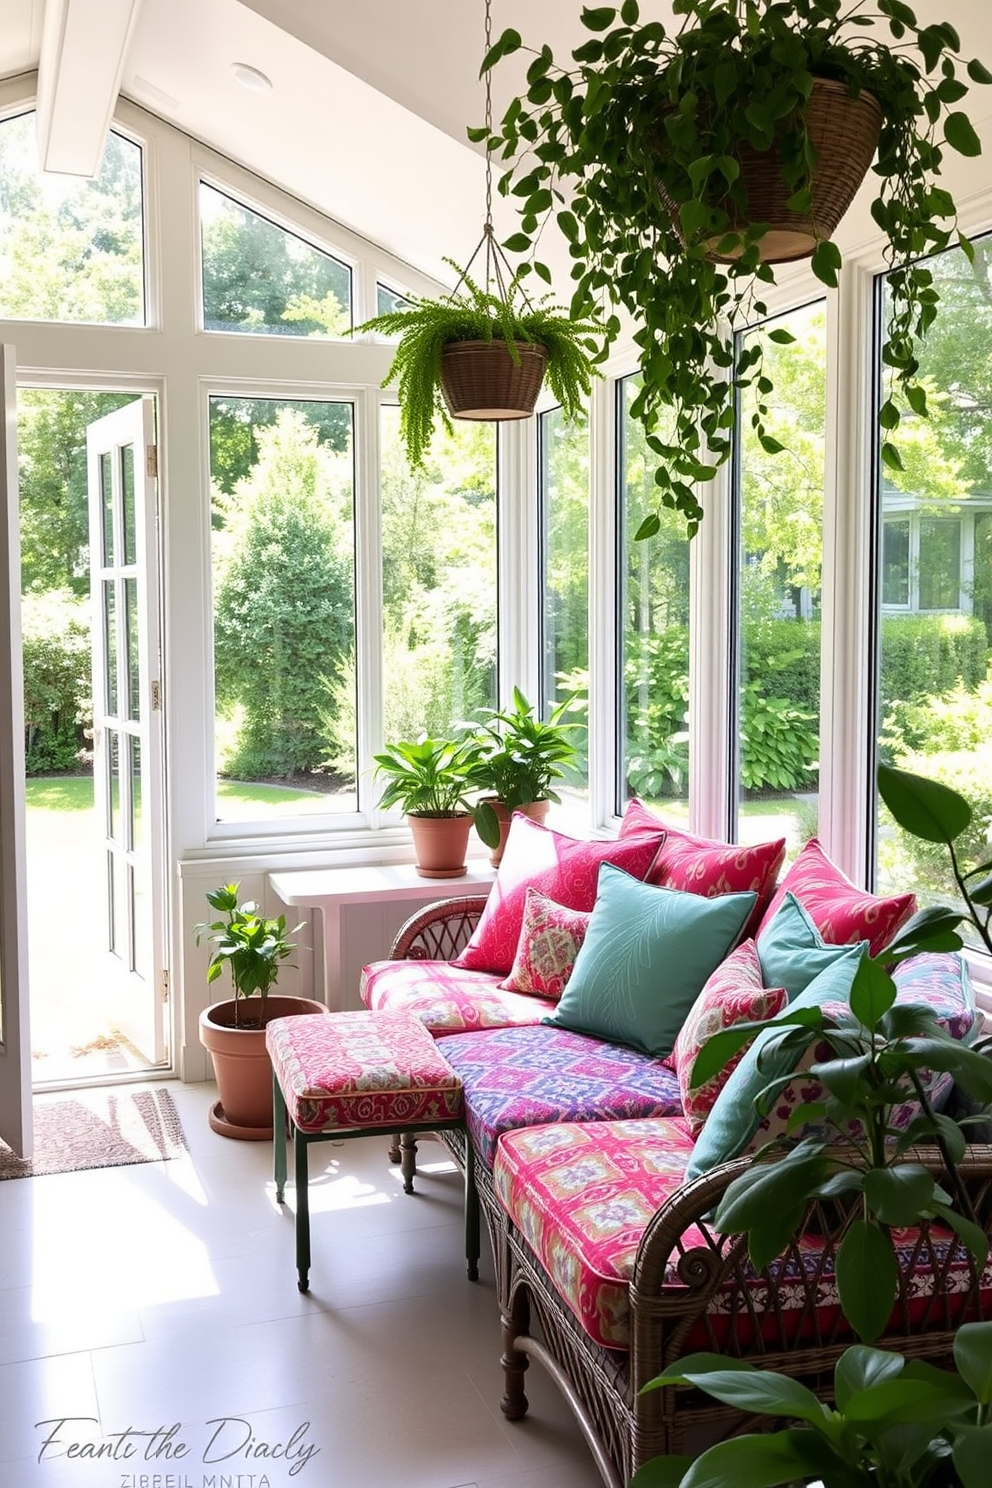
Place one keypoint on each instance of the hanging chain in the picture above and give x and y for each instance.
(496, 260)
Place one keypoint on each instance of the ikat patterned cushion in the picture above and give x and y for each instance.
(733, 994)
(563, 868)
(550, 940)
(646, 957)
(522, 1077)
(841, 912)
(447, 999)
(698, 865)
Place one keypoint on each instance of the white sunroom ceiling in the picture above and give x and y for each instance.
(366, 118)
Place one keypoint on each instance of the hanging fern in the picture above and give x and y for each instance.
(472, 313)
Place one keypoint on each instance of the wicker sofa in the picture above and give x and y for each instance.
(689, 1287)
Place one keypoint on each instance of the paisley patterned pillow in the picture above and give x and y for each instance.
(840, 911)
(699, 865)
(549, 943)
(733, 994)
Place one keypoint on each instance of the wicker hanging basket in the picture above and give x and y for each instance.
(480, 379)
(844, 133)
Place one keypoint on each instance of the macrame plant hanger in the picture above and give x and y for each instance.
(498, 378)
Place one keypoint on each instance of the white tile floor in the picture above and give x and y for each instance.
(164, 1296)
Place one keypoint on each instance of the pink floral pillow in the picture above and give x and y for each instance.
(549, 943)
(733, 994)
(842, 913)
(566, 869)
(697, 865)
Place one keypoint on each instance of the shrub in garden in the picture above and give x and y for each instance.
(284, 607)
(58, 709)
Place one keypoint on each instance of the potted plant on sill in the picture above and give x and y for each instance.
(520, 756)
(478, 355)
(252, 948)
(430, 780)
(895, 1423)
(641, 150)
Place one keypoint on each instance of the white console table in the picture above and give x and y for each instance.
(362, 908)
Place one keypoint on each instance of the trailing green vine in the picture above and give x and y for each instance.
(644, 108)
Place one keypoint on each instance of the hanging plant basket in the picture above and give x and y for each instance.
(482, 380)
(844, 132)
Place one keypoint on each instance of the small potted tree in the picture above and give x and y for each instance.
(521, 755)
(430, 779)
(252, 948)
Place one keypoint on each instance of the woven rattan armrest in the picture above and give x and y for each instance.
(438, 932)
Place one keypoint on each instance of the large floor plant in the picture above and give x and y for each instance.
(894, 1423)
(636, 149)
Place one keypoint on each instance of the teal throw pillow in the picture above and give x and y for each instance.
(647, 955)
(734, 1118)
(792, 951)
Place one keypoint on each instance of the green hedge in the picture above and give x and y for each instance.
(58, 709)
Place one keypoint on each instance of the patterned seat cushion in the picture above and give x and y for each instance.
(448, 999)
(360, 1069)
(523, 1077)
(582, 1196)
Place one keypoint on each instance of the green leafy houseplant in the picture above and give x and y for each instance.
(426, 327)
(894, 1424)
(636, 149)
(520, 755)
(248, 945)
(428, 777)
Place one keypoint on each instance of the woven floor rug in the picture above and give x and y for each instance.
(98, 1129)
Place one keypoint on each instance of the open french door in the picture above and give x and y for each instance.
(127, 719)
(15, 1051)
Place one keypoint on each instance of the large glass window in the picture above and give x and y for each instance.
(282, 488)
(654, 660)
(781, 524)
(564, 507)
(70, 250)
(260, 278)
(935, 703)
(439, 580)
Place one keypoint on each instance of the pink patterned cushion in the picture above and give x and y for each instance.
(581, 1194)
(842, 913)
(697, 865)
(549, 943)
(733, 994)
(446, 998)
(564, 868)
(362, 1069)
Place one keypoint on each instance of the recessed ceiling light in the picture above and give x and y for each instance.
(250, 78)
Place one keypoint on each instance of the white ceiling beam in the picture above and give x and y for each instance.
(84, 46)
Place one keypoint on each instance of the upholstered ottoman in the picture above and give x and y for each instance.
(359, 1074)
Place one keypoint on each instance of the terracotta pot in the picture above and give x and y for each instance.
(441, 844)
(241, 1064)
(537, 811)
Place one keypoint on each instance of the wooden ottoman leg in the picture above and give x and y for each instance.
(471, 1215)
(394, 1147)
(408, 1157)
(302, 1211)
(278, 1139)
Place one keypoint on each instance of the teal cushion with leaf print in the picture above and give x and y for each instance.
(647, 954)
(734, 1118)
(792, 951)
